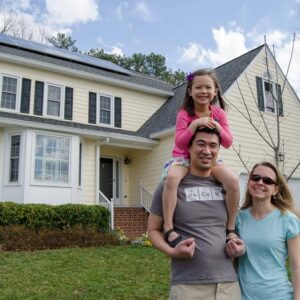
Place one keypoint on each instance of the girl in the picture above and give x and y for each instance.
(198, 110)
(269, 226)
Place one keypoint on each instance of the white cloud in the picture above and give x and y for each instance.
(117, 51)
(142, 11)
(283, 55)
(231, 44)
(120, 10)
(68, 12)
(228, 46)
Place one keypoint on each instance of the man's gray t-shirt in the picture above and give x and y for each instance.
(200, 213)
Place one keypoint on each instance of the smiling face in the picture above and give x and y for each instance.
(203, 90)
(203, 153)
(260, 190)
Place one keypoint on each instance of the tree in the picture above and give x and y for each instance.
(152, 64)
(15, 25)
(63, 41)
(268, 129)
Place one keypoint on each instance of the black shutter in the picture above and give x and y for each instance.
(118, 112)
(279, 98)
(92, 107)
(25, 96)
(260, 93)
(38, 98)
(68, 103)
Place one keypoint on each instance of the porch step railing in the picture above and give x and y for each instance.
(146, 197)
(103, 200)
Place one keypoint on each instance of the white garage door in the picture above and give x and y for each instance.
(293, 183)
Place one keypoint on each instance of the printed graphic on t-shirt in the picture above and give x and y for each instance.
(202, 193)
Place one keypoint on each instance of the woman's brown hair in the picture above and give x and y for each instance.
(283, 200)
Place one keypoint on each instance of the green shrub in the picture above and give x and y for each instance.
(43, 216)
(21, 238)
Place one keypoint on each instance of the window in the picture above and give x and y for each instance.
(106, 110)
(80, 164)
(52, 159)
(14, 158)
(54, 100)
(9, 92)
(268, 93)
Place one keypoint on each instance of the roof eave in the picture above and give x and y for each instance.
(81, 74)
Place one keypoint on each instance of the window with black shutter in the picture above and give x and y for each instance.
(92, 107)
(38, 98)
(68, 103)
(25, 95)
(268, 93)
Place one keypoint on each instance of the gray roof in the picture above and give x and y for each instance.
(134, 77)
(165, 116)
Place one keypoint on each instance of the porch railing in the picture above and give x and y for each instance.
(146, 197)
(103, 200)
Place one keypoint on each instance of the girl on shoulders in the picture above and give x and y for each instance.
(203, 106)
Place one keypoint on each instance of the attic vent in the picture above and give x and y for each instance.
(267, 75)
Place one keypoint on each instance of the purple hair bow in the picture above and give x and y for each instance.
(189, 77)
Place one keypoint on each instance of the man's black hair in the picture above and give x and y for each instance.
(206, 130)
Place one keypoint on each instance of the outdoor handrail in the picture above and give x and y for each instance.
(146, 197)
(111, 207)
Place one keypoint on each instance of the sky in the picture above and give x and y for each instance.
(191, 34)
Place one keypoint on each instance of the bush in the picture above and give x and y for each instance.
(21, 238)
(42, 216)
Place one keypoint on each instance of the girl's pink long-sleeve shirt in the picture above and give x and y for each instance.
(183, 134)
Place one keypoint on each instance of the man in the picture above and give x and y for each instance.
(200, 267)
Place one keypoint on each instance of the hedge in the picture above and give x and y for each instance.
(43, 216)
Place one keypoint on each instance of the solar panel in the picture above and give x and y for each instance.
(62, 53)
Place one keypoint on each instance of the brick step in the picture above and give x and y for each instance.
(132, 220)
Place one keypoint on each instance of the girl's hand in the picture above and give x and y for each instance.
(204, 122)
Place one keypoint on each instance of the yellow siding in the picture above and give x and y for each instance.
(147, 167)
(89, 171)
(137, 106)
(253, 148)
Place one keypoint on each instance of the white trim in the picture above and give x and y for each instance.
(18, 92)
(112, 110)
(118, 139)
(62, 101)
(82, 74)
(6, 155)
(35, 182)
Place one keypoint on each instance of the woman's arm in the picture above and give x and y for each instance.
(294, 255)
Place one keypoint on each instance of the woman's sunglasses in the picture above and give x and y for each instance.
(265, 179)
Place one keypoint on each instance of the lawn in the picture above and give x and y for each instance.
(123, 272)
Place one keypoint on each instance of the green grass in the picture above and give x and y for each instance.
(127, 272)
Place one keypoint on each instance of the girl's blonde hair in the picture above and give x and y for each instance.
(283, 200)
(188, 102)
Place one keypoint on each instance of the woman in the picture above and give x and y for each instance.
(269, 226)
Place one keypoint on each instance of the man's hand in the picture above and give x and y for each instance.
(185, 249)
(235, 247)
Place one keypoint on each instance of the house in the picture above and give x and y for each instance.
(76, 129)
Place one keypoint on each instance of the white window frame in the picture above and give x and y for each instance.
(8, 157)
(45, 182)
(62, 102)
(112, 110)
(80, 164)
(269, 80)
(18, 92)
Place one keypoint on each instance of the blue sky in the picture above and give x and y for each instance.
(189, 33)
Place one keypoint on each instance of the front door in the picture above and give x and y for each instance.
(110, 179)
